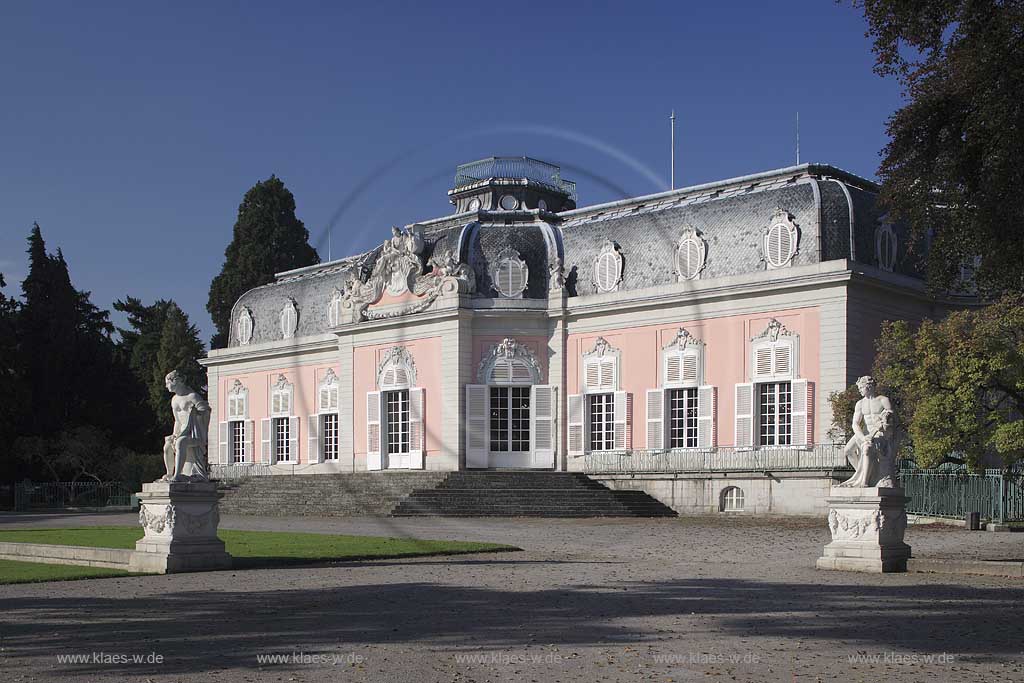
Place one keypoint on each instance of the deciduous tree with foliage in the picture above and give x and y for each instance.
(956, 384)
(954, 165)
(267, 239)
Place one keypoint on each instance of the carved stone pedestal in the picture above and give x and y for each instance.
(180, 520)
(867, 526)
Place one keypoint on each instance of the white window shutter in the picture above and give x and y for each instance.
(313, 438)
(325, 399)
(803, 412)
(655, 419)
(249, 446)
(609, 381)
(591, 375)
(744, 435)
(477, 429)
(782, 361)
(224, 449)
(763, 362)
(707, 408)
(417, 444)
(542, 412)
(373, 430)
(577, 432)
(293, 439)
(266, 442)
(691, 369)
(673, 368)
(623, 421)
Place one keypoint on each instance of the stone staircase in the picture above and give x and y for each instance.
(323, 495)
(449, 494)
(527, 494)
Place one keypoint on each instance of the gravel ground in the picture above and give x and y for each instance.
(688, 599)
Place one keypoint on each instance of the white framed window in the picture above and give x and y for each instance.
(508, 202)
(509, 419)
(682, 412)
(334, 308)
(397, 405)
(732, 499)
(780, 241)
(682, 418)
(329, 432)
(289, 319)
(244, 326)
(394, 414)
(775, 414)
(691, 255)
(885, 247)
(280, 431)
(322, 429)
(283, 440)
(236, 430)
(601, 417)
(474, 204)
(608, 268)
(589, 417)
(238, 442)
(510, 275)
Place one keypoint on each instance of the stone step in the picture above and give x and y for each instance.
(460, 494)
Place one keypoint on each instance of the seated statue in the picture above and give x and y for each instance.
(185, 449)
(872, 449)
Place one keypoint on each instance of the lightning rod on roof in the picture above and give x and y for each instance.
(672, 119)
(798, 138)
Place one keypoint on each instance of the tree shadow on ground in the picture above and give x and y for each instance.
(197, 631)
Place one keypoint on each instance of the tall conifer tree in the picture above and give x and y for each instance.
(267, 239)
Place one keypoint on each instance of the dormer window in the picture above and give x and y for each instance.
(691, 253)
(608, 268)
(780, 240)
(289, 319)
(885, 247)
(244, 326)
(510, 275)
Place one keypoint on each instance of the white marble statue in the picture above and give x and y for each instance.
(872, 449)
(185, 449)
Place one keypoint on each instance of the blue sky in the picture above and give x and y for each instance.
(131, 131)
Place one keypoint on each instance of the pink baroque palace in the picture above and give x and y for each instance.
(684, 343)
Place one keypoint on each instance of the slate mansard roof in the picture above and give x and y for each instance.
(729, 215)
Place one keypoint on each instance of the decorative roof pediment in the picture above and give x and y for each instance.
(773, 331)
(512, 352)
(600, 349)
(684, 340)
(397, 358)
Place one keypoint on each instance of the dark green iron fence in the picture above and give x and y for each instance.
(996, 495)
(65, 494)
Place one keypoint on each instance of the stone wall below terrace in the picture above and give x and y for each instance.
(782, 493)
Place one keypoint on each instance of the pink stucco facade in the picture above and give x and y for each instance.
(727, 358)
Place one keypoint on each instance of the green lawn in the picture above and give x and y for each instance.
(33, 572)
(250, 549)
